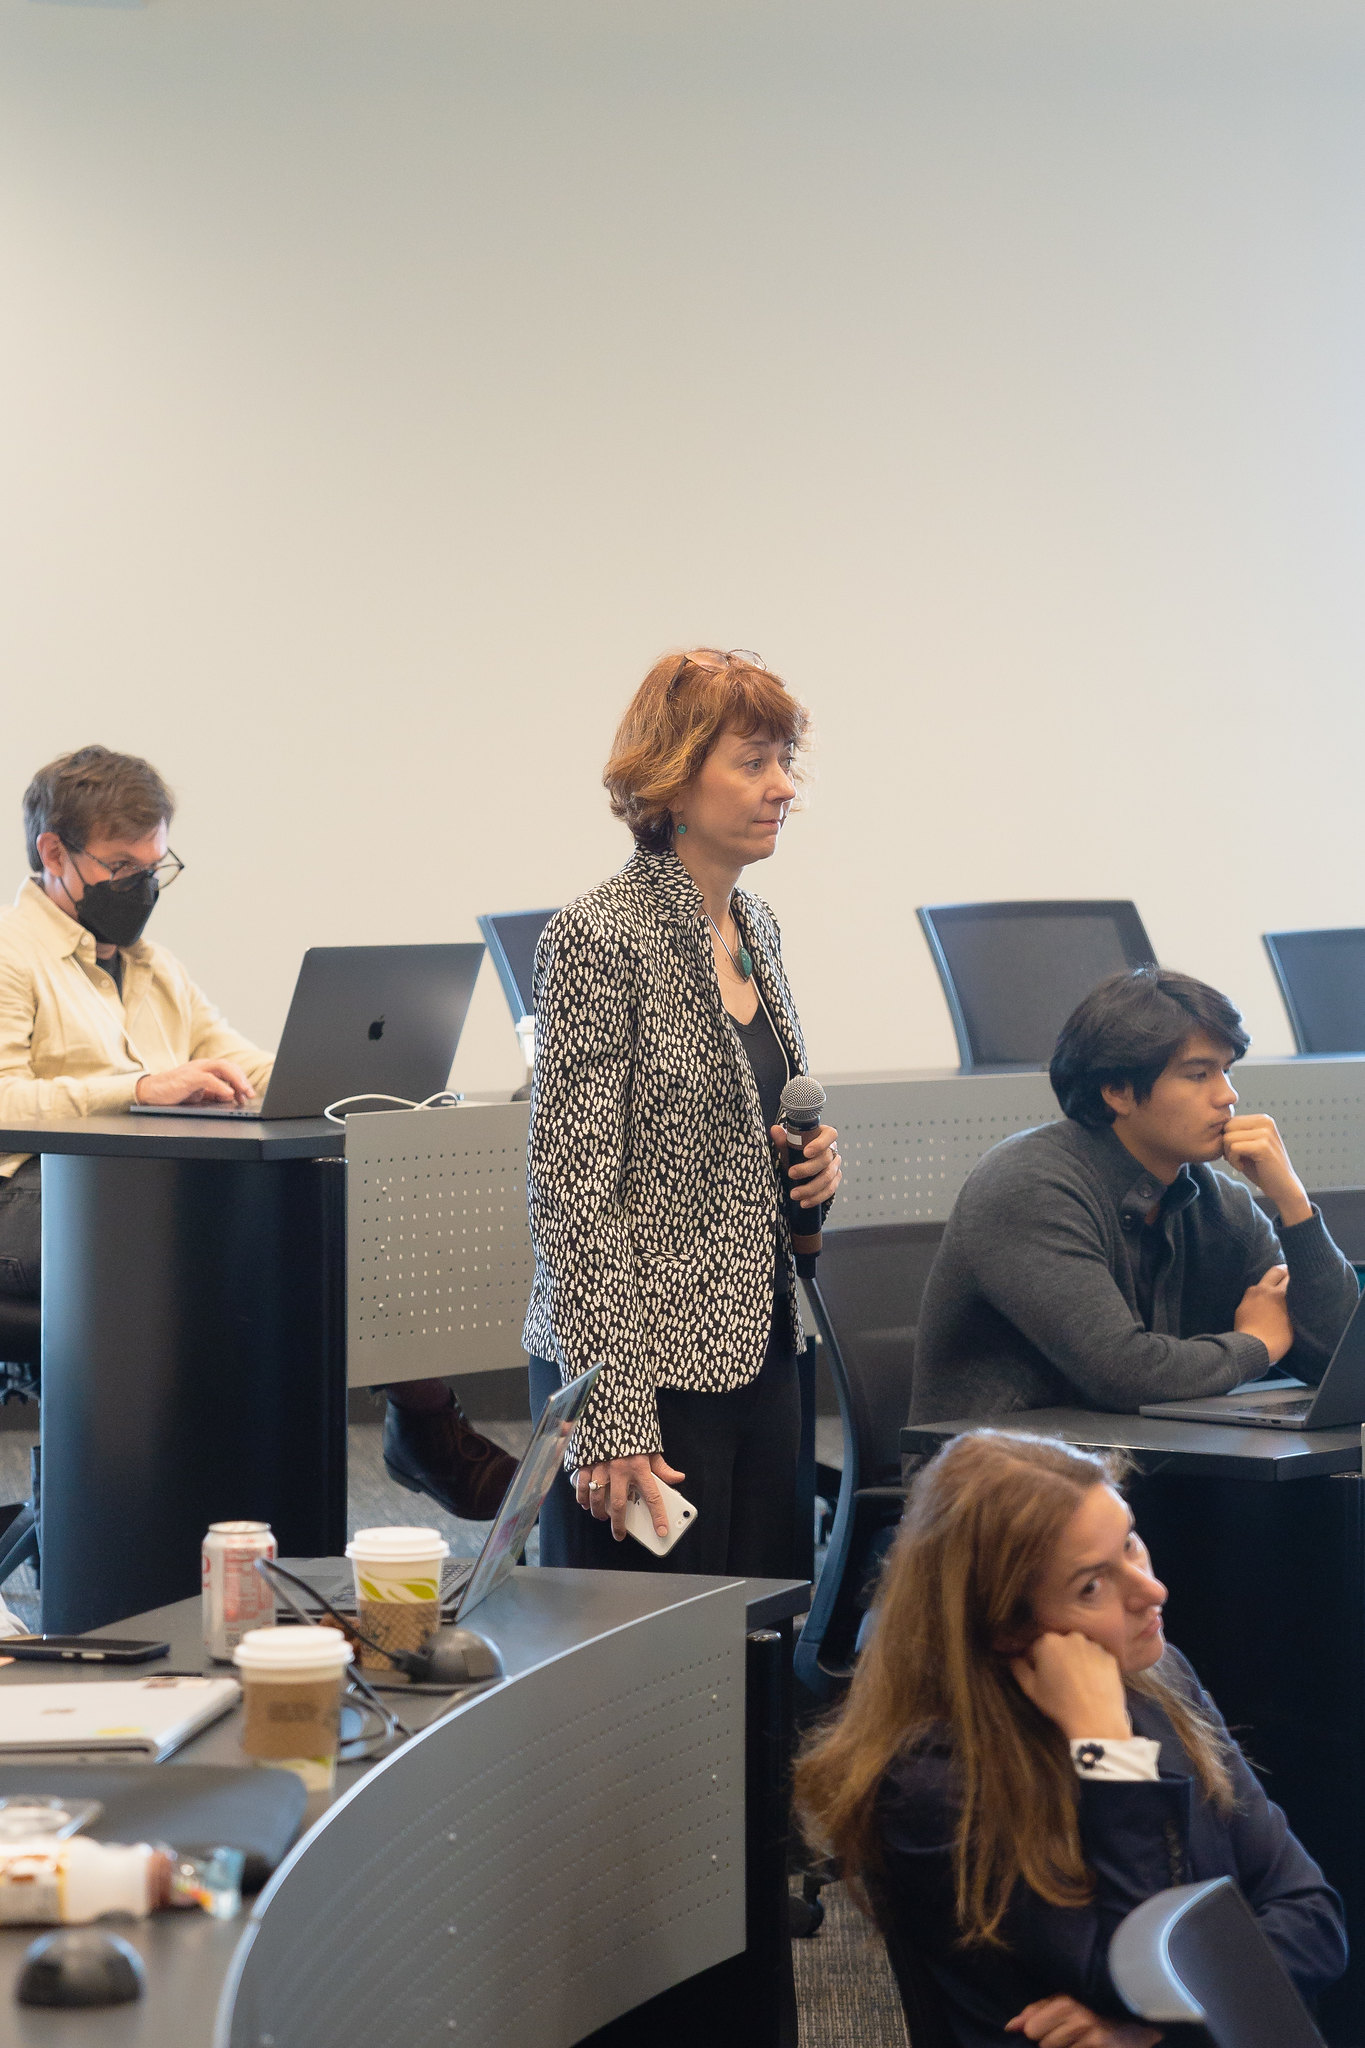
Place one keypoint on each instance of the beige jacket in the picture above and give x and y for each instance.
(69, 1046)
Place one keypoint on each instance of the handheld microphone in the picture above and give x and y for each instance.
(799, 1111)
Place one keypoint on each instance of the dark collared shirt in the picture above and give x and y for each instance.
(1154, 1239)
(1050, 1290)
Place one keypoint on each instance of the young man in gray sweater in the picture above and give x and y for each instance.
(1101, 1262)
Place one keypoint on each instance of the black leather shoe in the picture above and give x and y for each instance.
(436, 1452)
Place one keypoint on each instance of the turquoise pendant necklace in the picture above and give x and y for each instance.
(744, 965)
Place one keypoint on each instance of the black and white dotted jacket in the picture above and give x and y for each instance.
(651, 1177)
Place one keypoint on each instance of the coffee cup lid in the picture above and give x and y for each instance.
(397, 1544)
(288, 1649)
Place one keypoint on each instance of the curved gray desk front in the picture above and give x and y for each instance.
(545, 1856)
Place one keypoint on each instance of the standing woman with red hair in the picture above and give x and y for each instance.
(665, 1032)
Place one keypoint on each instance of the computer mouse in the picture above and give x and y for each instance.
(454, 1656)
(80, 1966)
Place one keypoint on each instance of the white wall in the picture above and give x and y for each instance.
(386, 382)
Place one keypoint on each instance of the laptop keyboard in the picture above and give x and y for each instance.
(332, 1577)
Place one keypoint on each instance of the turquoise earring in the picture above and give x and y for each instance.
(678, 831)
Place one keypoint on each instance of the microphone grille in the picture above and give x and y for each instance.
(802, 1100)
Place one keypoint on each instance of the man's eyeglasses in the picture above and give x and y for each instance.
(125, 874)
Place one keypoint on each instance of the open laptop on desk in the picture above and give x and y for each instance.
(364, 1020)
(1337, 1402)
(465, 1581)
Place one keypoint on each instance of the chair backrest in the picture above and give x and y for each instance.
(511, 938)
(1343, 1211)
(1195, 1955)
(1014, 972)
(21, 1331)
(1322, 980)
(866, 1298)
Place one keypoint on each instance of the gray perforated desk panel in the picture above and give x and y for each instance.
(438, 1248)
(910, 1139)
(1161, 1445)
(439, 1262)
(624, 1697)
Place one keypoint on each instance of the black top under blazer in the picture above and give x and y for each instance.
(1138, 1839)
(651, 1177)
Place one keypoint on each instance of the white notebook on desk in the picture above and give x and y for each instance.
(92, 1721)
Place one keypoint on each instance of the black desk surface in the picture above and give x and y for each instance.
(535, 1615)
(1160, 1444)
(179, 1137)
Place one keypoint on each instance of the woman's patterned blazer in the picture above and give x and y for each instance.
(651, 1178)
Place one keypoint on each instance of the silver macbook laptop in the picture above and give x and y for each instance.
(364, 1020)
(1337, 1402)
(123, 1717)
(465, 1581)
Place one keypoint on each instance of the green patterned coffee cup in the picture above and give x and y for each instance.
(397, 1589)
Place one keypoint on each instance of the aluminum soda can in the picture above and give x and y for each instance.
(236, 1596)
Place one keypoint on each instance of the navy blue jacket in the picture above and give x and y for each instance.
(1138, 1839)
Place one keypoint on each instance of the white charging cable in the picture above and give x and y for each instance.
(445, 1099)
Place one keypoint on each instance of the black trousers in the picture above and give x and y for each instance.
(739, 1452)
(21, 1231)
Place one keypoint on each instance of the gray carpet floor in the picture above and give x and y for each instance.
(845, 1991)
(373, 1497)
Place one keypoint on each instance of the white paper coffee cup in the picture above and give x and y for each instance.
(397, 1564)
(291, 1695)
(397, 1590)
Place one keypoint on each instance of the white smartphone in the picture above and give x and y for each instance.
(640, 1523)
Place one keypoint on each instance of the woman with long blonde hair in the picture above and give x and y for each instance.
(1022, 1759)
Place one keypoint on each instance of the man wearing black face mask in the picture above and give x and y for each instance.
(93, 1017)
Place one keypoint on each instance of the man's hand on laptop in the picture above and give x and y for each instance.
(1263, 1312)
(197, 1081)
(1254, 1146)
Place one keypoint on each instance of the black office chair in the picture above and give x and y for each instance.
(511, 937)
(1195, 1957)
(865, 1298)
(1322, 980)
(21, 1349)
(1343, 1212)
(1013, 972)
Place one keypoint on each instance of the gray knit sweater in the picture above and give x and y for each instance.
(1032, 1301)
